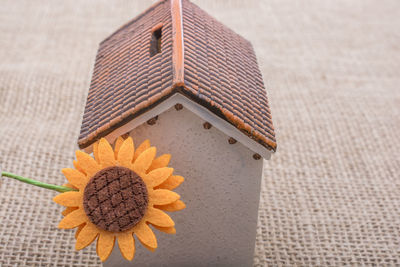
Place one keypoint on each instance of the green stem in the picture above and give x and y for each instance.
(57, 188)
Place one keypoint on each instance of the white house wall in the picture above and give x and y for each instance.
(221, 191)
(202, 112)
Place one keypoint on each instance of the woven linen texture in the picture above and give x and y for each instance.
(330, 195)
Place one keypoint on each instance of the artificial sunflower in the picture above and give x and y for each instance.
(118, 194)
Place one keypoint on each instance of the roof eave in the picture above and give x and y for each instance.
(198, 109)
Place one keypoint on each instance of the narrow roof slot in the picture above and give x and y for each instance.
(155, 42)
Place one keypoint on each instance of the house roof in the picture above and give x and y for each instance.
(200, 58)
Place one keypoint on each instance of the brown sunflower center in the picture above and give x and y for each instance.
(115, 199)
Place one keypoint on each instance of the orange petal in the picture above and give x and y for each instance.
(160, 162)
(143, 162)
(86, 236)
(172, 182)
(167, 230)
(79, 229)
(158, 176)
(175, 206)
(75, 177)
(105, 245)
(159, 218)
(73, 219)
(76, 165)
(106, 154)
(96, 151)
(69, 199)
(163, 197)
(117, 145)
(70, 186)
(126, 244)
(125, 153)
(87, 163)
(143, 146)
(68, 210)
(145, 235)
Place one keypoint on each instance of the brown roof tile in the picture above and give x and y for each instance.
(199, 58)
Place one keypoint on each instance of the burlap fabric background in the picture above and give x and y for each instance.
(331, 194)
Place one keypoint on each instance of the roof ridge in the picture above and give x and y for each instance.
(178, 45)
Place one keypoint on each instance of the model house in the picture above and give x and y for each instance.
(178, 77)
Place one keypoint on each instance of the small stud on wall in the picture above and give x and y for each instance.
(152, 121)
(125, 135)
(256, 156)
(207, 125)
(232, 140)
(178, 106)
